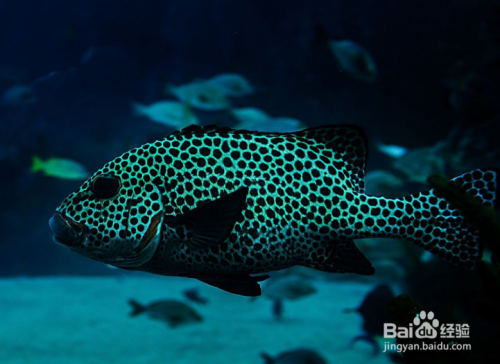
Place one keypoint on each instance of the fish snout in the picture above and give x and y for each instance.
(66, 230)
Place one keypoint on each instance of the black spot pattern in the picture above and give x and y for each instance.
(305, 203)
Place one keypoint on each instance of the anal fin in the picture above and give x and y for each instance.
(339, 256)
(240, 285)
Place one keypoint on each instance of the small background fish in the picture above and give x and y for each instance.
(60, 168)
(172, 312)
(193, 294)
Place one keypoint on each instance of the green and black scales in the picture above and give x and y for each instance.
(219, 204)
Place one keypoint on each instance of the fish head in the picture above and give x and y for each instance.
(115, 217)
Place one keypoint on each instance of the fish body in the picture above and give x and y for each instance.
(60, 168)
(172, 312)
(392, 150)
(221, 205)
(232, 84)
(373, 310)
(354, 59)
(351, 56)
(251, 118)
(194, 295)
(417, 164)
(18, 95)
(288, 288)
(380, 182)
(171, 113)
(201, 95)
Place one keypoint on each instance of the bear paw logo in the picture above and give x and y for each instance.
(426, 330)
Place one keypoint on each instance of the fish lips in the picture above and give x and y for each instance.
(66, 230)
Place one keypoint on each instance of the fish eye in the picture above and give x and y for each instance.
(106, 186)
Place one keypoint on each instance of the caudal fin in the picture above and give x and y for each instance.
(137, 308)
(440, 227)
(138, 109)
(37, 164)
(267, 358)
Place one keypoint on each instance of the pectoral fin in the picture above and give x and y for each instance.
(212, 222)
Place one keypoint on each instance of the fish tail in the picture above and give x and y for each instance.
(169, 89)
(267, 358)
(137, 109)
(37, 164)
(188, 114)
(451, 231)
(137, 308)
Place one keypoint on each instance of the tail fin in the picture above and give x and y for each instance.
(137, 109)
(446, 225)
(37, 164)
(267, 358)
(137, 308)
(188, 115)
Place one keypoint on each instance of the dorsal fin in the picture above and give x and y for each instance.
(197, 129)
(349, 143)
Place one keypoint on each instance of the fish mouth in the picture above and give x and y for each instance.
(66, 230)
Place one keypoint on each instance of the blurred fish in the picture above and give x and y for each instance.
(251, 118)
(419, 163)
(232, 84)
(394, 151)
(384, 183)
(352, 57)
(426, 257)
(194, 295)
(60, 168)
(286, 288)
(201, 95)
(228, 206)
(373, 311)
(296, 356)
(171, 113)
(285, 125)
(10, 75)
(279, 124)
(105, 54)
(18, 95)
(172, 312)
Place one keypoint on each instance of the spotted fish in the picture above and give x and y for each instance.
(222, 205)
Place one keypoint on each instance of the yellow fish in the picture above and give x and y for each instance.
(60, 168)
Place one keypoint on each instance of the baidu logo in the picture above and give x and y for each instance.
(424, 326)
(426, 330)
